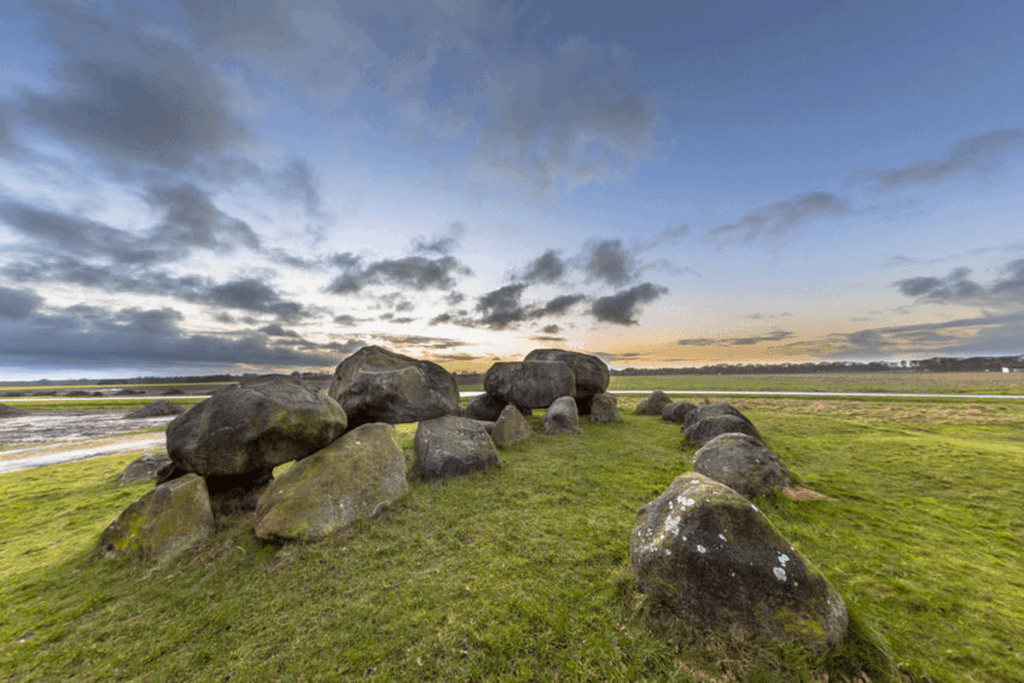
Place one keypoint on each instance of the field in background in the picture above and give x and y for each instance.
(523, 573)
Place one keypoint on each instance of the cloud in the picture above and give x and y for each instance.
(785, 216)
(623, 308)
(501, 307)
(296, 177)
(276, 330)
(443, 244)
(253, 295)
(609, 261)
(955, 288)
(547, 268)
(191, 219)
(16, 304)
(1010, 285)
(751, 340)
(979, 154)
(413, 272)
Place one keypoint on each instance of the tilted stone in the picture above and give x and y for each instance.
(510, 428)
(161, 525)
(592, 376)
(353, 478)
(255, 426)
(717, 561)
(742, 463)
(530, 384)
(452, 446)
(378, 385)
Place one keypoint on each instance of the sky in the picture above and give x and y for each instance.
(207, 186)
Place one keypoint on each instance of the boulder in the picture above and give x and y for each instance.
(604, 408)
(161, 525)
(562, 417)
(254, 427)
(711, 410)
(702, 431)
(720, 565)
(484, 407)
(511, 428)
(11, 411)
(653, 403)
(156, 409)
(452, 446)
(144, 468)
(352, 478)
(676, 412)
(378, 385)
(591, 372)
(742, 463)
(530, 384)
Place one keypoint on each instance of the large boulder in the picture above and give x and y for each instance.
(562, 417)
(677, 411)
(530, 384)
(711, 410)
(144, 468)
(653, 403)
(159, 408)
(742, 463)
(164, 523)
(452, 446)
(510, 428)
(604, 408)
(702, 431)
(717, 561)
(353, 478)
(591, 372)
(484, 407)
(254, 427)
(378, 385)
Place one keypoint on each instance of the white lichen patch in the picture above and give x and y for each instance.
(723, 538)
(685, 501)
(783, 559)
(672, 524)
(701, 549)
(780, 573)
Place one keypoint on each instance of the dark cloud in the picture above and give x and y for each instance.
(297, 177)
(191, 219)
(403, 340)
(697, 341)
(551, 329)
(276, 330)
(775, 335)
(253, 295)
(346, 320)
(623, 308)
(547, 268)
(16, 304)
(501, 307)
(559, 305)
(443, 244)
(610, 262)
(955, 288)
(547, 338)
(980, 154)
(1010, 284)
(413, 272)
(786, 216)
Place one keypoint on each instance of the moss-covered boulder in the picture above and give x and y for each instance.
(604, 408)
(254, 427)
(161, 525)
(592, 376)
(720, 565)
(653, 403)
(677, 411)
(707, 410)
(530, 384)
(704, 430)
(510, 428)
(742, 463)
(353, 478)
(378, 385)
(452, 446)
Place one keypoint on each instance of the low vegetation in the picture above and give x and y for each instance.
(523, 573)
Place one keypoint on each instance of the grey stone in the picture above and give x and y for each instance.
(530, 384)
(157, 409)
(711, 410)
(511, 428)
(720, 565)
(591, 372)
(353, 478)
(742, 463)
(562, 417)
(702, 431)
(144, 468)
(604, 408)
(452, 446)
(378, 385)
(676, 412)
(484, 407)
(653, 403)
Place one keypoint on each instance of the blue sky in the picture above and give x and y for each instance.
(196, 186)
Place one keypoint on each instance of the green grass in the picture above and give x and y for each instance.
(523, 573)
(99, 404)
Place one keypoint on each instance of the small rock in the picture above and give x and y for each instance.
(452, 446)
(562, 417)
(653, 403)
(511, 428)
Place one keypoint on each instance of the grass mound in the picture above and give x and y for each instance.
(523, 573)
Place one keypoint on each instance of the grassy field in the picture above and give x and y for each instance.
(880, 382)
(522, 573)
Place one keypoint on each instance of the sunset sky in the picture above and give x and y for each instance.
(201, 186)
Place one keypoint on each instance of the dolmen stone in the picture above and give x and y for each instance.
(653, 403)
(712, 410)
(530, 384)
(451, 446)
(378, 385)
(353, 478)
(702, 431)
(510, 428)
(742, 463)
(591, 373)
(562, 417)
(604, 408)
(484, 407)
(721, 566)
(143, 468)
(159, 408)
(677, 411)
(165, 522)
